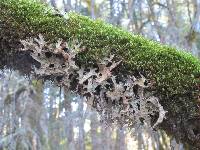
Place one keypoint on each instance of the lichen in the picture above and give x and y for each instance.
(112, 95)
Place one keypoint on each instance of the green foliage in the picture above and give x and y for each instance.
(175, 72)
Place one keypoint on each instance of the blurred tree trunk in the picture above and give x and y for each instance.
(191, 37)
(53, 124)
(53, 3)
(154, 19)
(120, 140)
(31, 118)
(92, 8)
(121, 11)
(67, 5)
(81, 123)
(112, 12)
(140, 139)
(133, 23)
(78, 4)
(93, 131)
(69, 119)
(106, 138)
(173, 22)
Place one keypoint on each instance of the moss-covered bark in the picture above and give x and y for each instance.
(176, 74)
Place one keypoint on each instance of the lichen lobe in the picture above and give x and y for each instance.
(119, 99)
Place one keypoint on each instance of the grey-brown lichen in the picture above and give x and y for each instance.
(121, 100)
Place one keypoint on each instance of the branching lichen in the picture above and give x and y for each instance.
(111, 95)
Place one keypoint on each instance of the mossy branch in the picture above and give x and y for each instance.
(176, 74)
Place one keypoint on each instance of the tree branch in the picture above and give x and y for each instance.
(176, 74)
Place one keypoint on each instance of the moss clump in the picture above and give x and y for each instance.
(175, 72)
(29, 18)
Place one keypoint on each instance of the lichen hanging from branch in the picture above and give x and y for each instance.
(111, 95)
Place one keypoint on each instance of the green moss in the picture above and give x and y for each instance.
(175, 72)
